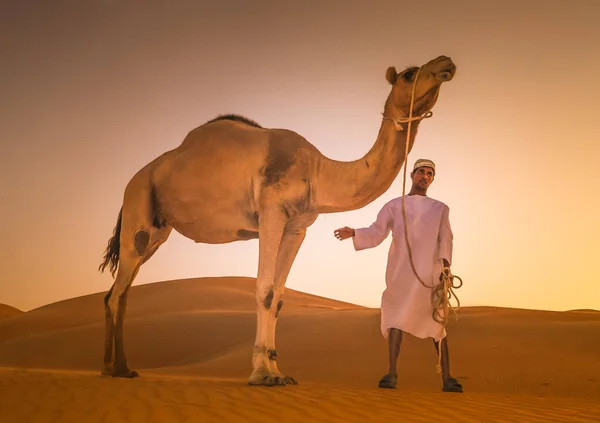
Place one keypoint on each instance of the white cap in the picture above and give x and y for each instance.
(424, 163)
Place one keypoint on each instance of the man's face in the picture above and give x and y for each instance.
(422, 177)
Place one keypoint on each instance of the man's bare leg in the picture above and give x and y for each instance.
(450, 383)
(445, 359)
(395, 341)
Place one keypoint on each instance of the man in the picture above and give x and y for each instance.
(406, 303)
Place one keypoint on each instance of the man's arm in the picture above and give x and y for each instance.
(368, 237)
(376, 233)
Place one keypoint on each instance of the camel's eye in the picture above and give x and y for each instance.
(408, 74)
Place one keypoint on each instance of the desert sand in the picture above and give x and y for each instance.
(191, 340)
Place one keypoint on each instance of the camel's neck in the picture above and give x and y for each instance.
(343, 186)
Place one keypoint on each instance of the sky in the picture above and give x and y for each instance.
(92, 91)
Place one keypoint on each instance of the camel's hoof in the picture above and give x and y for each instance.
(128, 374)
(288, 380)
(107, 371)
(265, 379)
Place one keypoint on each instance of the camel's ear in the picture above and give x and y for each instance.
(391, 75)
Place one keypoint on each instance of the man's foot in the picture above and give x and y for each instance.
(388, 381)
(452, 385)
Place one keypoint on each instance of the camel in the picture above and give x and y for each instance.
(232, 180)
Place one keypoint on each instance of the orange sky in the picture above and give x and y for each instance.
(91, 91)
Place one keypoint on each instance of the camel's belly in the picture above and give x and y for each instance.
(216, 237)
(208, 218)
(215, 229)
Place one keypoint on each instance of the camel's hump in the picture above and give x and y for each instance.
(237, 118)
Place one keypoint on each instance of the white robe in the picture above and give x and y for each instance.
(406, 303)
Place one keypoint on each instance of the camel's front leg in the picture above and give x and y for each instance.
(271, 225)
(290, 245)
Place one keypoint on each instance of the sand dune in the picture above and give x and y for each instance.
(191, 340)
(585, 310)
(7, 311)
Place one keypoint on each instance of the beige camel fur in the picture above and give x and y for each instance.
(233, 180)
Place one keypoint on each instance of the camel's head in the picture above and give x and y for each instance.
(431, 77)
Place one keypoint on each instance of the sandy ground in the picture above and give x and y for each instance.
(192, 340)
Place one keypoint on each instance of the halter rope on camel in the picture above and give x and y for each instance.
(441, 293)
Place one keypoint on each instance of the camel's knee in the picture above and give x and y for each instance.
(117, 298)
(113, 305)
(279, 305)
(266, 298)
(117, 304)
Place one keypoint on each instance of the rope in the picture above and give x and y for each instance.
(441, 293)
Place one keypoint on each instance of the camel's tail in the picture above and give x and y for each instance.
(111, 254)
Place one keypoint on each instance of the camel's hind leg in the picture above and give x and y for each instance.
(115, 313)
(108, 336)
(139, 238)
(131, 258)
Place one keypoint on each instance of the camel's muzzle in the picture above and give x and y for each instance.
(447, 74)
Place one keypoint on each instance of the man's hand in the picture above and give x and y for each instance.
(344, 233)
(447, 272)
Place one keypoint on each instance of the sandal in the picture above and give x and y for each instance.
(388, 381)
(452, 385)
